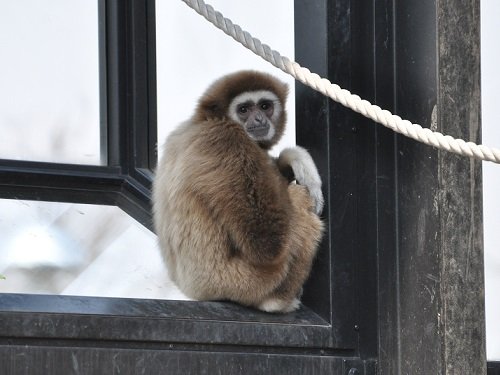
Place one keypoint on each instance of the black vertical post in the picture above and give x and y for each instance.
(131, 86)
(431, 287)
(460, 183)
(386, 181)
(323, 128)
(103, 82)
(343, 146)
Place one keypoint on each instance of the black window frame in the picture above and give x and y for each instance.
(349, 324)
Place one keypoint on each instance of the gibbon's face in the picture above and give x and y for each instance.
(258, 113)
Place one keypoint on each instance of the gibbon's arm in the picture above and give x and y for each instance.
(246, 196)
(297, 161)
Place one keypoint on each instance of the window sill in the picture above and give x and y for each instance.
(121, 319)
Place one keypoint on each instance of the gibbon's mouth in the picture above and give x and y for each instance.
(258, 130)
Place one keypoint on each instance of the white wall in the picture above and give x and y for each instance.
(490, 66)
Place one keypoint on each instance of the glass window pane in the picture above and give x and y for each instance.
(49, 81)
(192, 53)
(79, 249)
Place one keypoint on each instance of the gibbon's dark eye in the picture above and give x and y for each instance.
(243, 109)
(265, 105)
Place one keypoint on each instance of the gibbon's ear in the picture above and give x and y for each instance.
(210, 108)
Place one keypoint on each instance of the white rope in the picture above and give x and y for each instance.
(342, 96)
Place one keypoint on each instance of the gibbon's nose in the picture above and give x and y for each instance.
(259, 117)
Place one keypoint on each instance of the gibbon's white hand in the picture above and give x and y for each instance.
(305, 172)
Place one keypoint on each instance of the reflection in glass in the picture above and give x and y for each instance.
(49, 81)
(78, 249)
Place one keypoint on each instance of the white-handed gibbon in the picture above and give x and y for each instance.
(230, 224)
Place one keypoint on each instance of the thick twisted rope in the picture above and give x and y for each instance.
(342, 96)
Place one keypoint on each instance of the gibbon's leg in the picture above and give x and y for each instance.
(305, 233)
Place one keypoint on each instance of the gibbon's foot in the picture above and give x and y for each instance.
(276, 305)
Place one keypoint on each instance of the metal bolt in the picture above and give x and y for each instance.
(353, 371)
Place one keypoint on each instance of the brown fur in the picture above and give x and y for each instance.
(229, 225)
